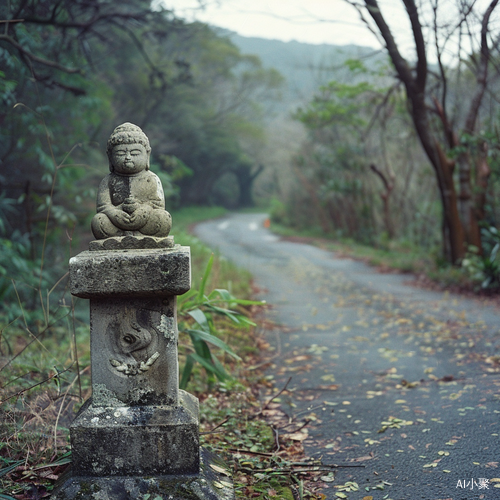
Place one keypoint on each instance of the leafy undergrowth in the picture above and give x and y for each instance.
(45, 377)
(241, 421)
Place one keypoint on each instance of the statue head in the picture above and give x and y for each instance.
(125, 134)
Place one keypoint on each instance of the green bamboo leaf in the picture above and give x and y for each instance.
(220, 366)
(246, 321)
(223, 294)
(244, 302)
(201, 291)
(64, 459)
(184, 298)
(212, 339)
(233, 315)
(200, 346)
(199, 316)
(211, 368)
(10, 468)
(186, 372)
(6, 497)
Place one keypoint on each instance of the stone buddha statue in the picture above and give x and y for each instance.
(130, 199)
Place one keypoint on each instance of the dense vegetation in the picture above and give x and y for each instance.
(391, 151)
(71, 72)
(407, 149)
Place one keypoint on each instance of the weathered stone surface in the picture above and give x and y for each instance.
(130, 200)
(133, 347)
(209, 484)
(131, 273)
(136, 440)
(131, 243)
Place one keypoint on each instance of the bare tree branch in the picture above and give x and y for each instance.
(482, 74)
(398, 60)
(40, 60)
(418, 36)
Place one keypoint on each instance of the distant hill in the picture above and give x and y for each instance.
(305, 66)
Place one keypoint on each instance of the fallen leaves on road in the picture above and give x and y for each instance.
(394, 423)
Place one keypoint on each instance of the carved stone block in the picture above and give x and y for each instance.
(133, 351)
(131, 273)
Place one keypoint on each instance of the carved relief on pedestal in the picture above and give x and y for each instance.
(133, 343)
(135, 349)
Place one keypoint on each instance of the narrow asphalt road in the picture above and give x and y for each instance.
(401, 381)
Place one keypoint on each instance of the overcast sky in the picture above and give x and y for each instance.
(312, 21)
(330, 21)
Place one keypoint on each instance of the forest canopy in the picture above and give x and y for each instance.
(393, 146)
(73, 70)
(409, 148)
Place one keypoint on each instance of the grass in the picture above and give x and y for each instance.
(45, 377)
(224, 274)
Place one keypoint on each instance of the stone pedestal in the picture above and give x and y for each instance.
(138, 436)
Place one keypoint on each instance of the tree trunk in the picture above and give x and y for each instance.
(483, 172)
(323, 218)
(245, 179)
(389, 186)
(472, 208)
(454, 242)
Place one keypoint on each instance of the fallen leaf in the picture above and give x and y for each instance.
(331, 387)
(301, 357)
(328, 479)
(297, 436)
(220, 470)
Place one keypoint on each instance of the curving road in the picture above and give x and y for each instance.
(368, 353)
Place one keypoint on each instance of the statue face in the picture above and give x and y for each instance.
(129, 159)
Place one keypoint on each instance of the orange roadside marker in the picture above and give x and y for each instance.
(267, 223)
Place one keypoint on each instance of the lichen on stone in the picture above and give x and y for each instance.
(132, 369)
(167, 327)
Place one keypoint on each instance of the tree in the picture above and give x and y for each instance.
(51, 101)
(49, 37)
(447, 132)
(206, 119)
(355, 128)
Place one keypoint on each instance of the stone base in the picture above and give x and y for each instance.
(136, 440)
(210, 484)
(139, 273)
(131, 242)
